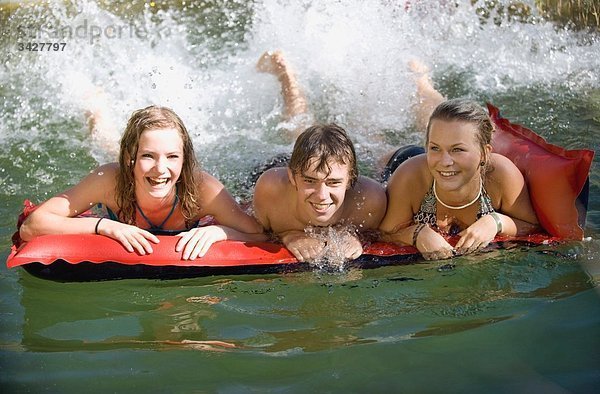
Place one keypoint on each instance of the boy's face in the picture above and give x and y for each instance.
(320, 195)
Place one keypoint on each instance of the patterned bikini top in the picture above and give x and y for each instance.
(427, 211)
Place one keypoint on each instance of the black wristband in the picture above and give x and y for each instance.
(97, 223)
(416, 232)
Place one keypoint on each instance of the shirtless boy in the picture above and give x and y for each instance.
(319, 188)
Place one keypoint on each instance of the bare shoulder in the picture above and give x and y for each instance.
(413, 175)
(504, 181)
(208, 181)
(273, 181)
(111, 168)
(100, 180)
(503, 168)
(271, 199)
(367, 202)
(272, 190)
(210, 190)
(97, 187)
(367, 188)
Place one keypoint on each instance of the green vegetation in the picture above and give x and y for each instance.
(579, 13)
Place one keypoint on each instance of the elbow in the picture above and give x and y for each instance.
(30, 227)
(26, 231)
(535, 228)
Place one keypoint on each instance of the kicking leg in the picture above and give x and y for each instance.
(100, 122)
(427, 97)
(294, 100)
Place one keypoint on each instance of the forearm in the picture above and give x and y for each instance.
(403, 236)
(516, 227)
(235, 235)
(43, 224)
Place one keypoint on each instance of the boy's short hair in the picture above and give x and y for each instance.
(323, 143)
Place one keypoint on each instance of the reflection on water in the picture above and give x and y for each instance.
(306, 312)
(508, 320)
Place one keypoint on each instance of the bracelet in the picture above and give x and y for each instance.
(496, 218)
(97, 223)
(416, 232)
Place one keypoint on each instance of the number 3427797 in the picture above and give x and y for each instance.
(42, 46)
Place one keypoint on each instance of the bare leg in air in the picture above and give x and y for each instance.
(295, 105)
(427, 97)
(100, 121)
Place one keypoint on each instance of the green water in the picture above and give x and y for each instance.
(519, 320)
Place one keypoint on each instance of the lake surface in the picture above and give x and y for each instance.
(519, 320)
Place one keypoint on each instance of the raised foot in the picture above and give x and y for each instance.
(272, 62)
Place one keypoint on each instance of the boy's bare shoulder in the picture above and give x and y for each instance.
(274, 180)
(369, 202)
(272, 190)
(367, 187)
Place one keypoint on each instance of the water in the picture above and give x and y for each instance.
(521, 320)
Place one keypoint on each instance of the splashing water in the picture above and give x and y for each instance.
(306, 329)
(350, 57)
(335, 239)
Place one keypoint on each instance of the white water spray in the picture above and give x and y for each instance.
(351, 58)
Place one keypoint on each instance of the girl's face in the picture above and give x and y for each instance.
(158, 163)
(453, 153)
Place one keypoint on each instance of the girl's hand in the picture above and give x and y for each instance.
(131, 237)
(432, 245)
(351, 246)
(196, 242)
(477, 236)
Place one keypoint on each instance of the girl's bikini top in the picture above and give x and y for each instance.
(154, 229)
(427, 210)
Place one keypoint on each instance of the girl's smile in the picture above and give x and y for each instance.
(158, 163)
